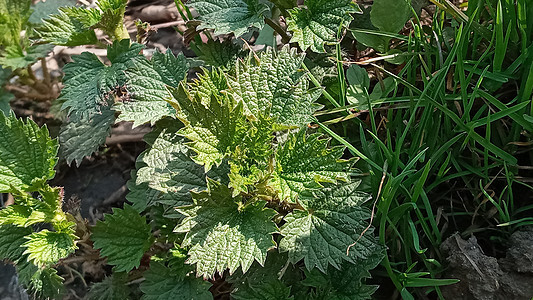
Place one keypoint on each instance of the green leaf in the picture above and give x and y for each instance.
(112, 18)
(88, 81)
(46, 247)
(209, 83)
(88, 94)
(71, 27)
(170, 283)
(111, 288)
(46, 209)
(147, 82)
(81, 137)
(390, 15)
(217, 53)
(123, 237)
(275, 87)
(214, 130)
(346, 283)
(263, 282)
(5, 98)
(168, 168)
(15, 58)
(11, 240)
(230, 16)
(317, 24)
(224, 233)
(27, 155)
(305, 163)
(333, 228)
(359, 83)
(14, 16)
(42, 10)
(44, 283)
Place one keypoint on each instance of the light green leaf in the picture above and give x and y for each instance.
(123, 237)
(390, 15)
(209, 83)
(112, 18)
(71, 27)
(27, 155)
(223, 233)
(11, 240)
(168, 283)
(111, 288)
(359, 83)
(14, 16)
(30, 211)
(230, 16)
(81, 137)
(333, 228)
(275, 87)
(46, 247)
(147, 82)
(317, 24)
(306, 162)
(16, 58)
(214, 130)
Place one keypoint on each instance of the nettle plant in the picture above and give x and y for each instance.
(233, 184)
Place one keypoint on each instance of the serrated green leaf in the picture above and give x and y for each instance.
(390, 15)
(112, 18)
(42, 9)
(46, 247)
(167, 283)
(230, 16)
(88, 95)
(81, 137)
(168, 168)
(27, 155)
(306, 162)
(11, 240)
(275, 87)
(263, 282)
(45, 209)
(317, 24)
(15, 57)
(346, 283)
(111, 288)
(71, 27)
(225, 234)
(209, 83)
(147, 82)
(332, 223)
(213, 130)
(217, 53)
(43, 283)
(88, 81)
(14, 16)
(123, 237)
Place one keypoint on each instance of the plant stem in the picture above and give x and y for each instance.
(285, 38)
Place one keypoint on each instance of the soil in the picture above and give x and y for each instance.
(488, 278)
